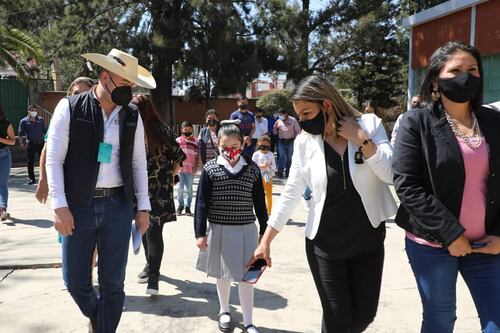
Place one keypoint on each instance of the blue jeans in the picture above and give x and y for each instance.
(436, 273)
(107, 222)
(185, 183)
(285, 152)
(5, 164)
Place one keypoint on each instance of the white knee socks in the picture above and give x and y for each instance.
(223, 291)
(245, 291)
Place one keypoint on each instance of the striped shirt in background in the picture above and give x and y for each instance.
(190, 148)
(208, 145)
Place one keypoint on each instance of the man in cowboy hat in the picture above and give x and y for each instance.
(96, 166)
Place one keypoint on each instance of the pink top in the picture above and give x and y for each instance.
(473, 210)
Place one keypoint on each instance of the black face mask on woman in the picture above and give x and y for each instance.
(314, 126)
(461, 88)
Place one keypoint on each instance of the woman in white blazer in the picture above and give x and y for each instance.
(344, 157)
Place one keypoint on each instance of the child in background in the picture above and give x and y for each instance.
(189, 145)
(230, 189)
(267, 165)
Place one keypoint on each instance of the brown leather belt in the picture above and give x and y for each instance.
(107, 192)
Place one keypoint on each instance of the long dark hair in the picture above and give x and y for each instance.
(436, 63)
(2, 114)
(154, 127)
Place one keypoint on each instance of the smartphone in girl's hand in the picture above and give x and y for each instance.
(255, 271)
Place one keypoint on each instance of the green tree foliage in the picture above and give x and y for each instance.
(411, 7)
(374, 55)
(17, 46)
(274, 100)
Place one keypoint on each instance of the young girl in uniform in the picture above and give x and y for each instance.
(229, 190)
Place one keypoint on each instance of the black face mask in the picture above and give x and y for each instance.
(187, 133)
(212, 122)
(263, 148)
(258, 117)
(415, 105)
(120, 95)
(244, 106)
(314, 126)
(461, 88)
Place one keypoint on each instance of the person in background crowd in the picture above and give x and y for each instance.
(96, 168)
(79, 85)
(416, 102)
(369, 107)
(31, 135)
(267, 165)
(207, 139)
(7, 138)
(247, 125)
(164, 159)
(447, 175)
(271, 120)
(286, 128)
(231, 235)
(344, 157)
(261, 126)
(189, 145)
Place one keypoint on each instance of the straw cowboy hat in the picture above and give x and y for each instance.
(123, 65)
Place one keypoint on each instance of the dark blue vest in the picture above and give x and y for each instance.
(86, 131)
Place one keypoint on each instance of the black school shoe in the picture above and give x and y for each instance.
(152, 285)
(179, 210)
(188, 211)
(251, 329)
(224, 327)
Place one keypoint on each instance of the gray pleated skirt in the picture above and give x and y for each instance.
(229, 249)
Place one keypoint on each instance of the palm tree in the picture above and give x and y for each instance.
(15, 46)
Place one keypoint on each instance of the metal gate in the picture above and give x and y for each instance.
(14, 100)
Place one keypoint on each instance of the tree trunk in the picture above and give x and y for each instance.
(166, 25)
(162, 95)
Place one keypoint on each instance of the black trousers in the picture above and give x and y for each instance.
(349, 289)
(152, 241)
(31, 150)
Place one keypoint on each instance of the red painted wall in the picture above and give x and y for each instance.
(429, 36)
(487, 38)
(190, 110)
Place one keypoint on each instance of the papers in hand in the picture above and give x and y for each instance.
(136, 238)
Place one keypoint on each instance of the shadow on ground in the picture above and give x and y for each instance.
(12, 222)
(199, 300)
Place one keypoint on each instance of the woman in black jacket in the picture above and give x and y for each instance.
(446, 172)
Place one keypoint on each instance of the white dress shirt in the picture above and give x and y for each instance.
(109, 173)
(260, 128)
(234, 170)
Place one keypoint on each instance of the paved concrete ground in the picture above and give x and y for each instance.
(34, 300)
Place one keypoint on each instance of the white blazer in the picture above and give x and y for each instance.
(371, 179)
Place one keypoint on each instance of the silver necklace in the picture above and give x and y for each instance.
(474, 139)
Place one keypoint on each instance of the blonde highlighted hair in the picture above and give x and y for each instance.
(316, 88)
(82, 79)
